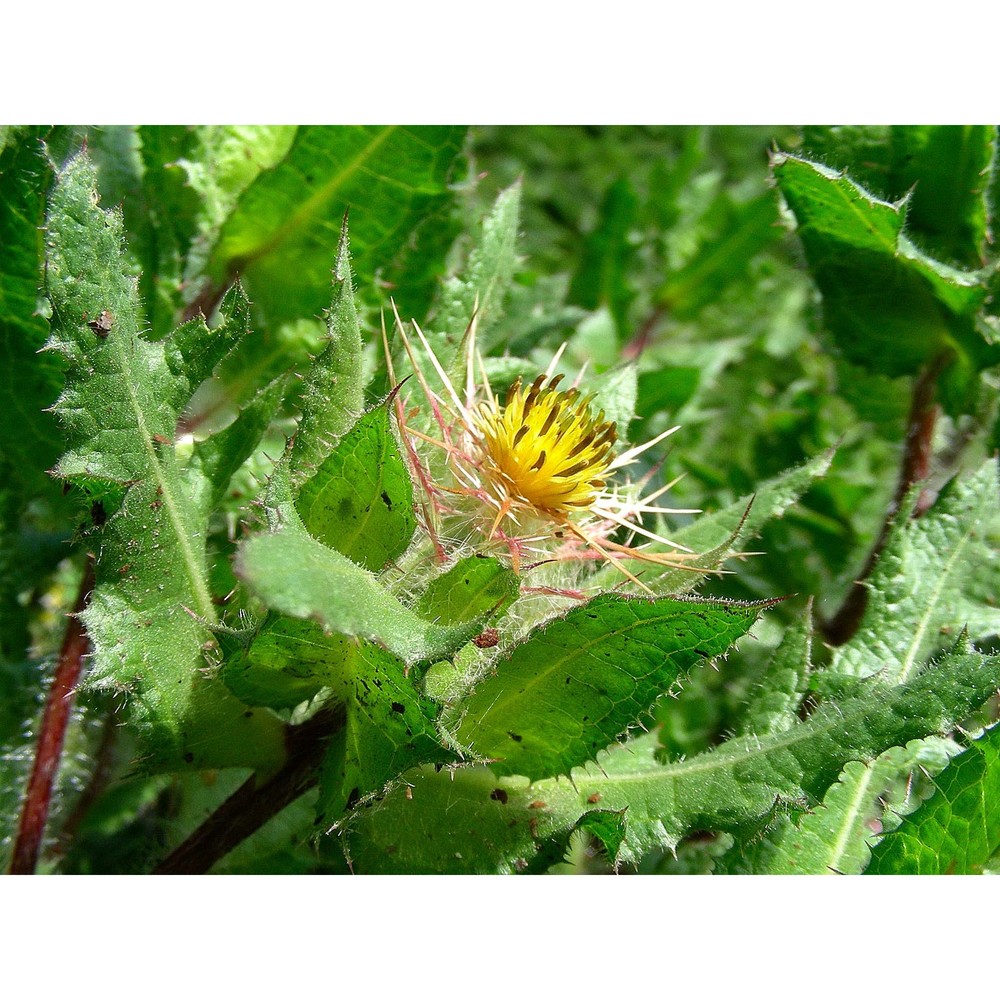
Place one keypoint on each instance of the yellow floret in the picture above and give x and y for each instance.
(544, 448)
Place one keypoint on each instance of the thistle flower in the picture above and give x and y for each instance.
(538, 471)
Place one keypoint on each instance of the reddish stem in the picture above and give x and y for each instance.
(914, 468)
(634, 348)
(52, 735)
(254, 803)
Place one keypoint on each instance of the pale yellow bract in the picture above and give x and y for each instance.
(540, 466)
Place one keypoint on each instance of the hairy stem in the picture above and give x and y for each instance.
(255, 802)
(52, 735)
(914, 468)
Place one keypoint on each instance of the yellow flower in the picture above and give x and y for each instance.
(539, 469)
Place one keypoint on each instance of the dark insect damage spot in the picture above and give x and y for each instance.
(499, 795)
(396, 707)
(386, 499)
(102, 325)
(516, 737)
(487, 639)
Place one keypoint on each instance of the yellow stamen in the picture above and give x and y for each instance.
(544, 448)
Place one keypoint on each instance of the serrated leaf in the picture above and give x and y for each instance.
(282, 233)
(957, 830)
(605, 826)
(488, 275)
(193, 351)
(834, 838)
(577, 683)
(890, 307)
(774, 704)
(292, 572)
(919, 585)
(149, 613)
(736, 784)
(148, 644)
(619, 389)
(360, 500)
(333, 396)
(943, 168)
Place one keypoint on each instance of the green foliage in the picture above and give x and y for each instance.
(943, 170)
(281, 233)
(577, 684)
(360, 500)
(333, 397)
(28, 436)
(292, 572)
(488, 273)
(957, 830)
(733, 788)
(306, 579)
(149, 615)
(891, 307)
(919, 590)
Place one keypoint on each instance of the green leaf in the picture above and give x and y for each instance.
(488, 274)
(577, 683)
(360, 500)
(29, 381)
(287, 662)
(604, 275)
(473, 587)
(743, 231)
(666, 390)
(943, 168)
(918, 591)
(112, 408)
(498, 824)
(890, 307)
(292, 572)
(220, 456)
(619, 389)
(149, 613)
(773, 706)
(389, 729)
(957, 830)
(171, 209)
(282, 232)
(333, 397)
(193, 351)
(834, 838)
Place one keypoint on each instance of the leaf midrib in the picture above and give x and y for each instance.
(188, 558)
(309, 208)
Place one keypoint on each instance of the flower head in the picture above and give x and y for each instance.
(537, 471)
